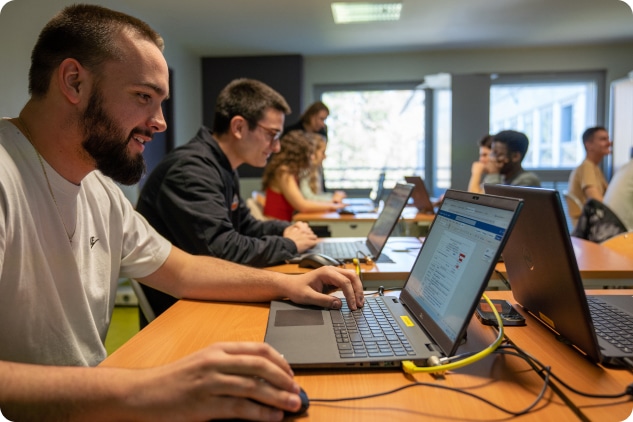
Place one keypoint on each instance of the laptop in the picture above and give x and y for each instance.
(348, 248)
(421, 199)
(435, 306)
(545, 280)
(365, 205)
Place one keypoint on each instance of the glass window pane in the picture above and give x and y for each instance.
(552, 114)
(371, 131)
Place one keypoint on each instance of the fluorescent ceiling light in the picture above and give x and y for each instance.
(365, 12)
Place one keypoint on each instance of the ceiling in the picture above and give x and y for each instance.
(263, 27)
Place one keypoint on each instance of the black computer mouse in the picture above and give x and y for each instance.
(317, 260)
(305, 403)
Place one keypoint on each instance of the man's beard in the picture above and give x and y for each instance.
(107, 144)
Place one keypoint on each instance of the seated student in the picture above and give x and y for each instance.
(508, 150)
(193, 196)
(67, 233)
(480, 168)
(587, 180)
(312, 120)
(311, 184)
(281, 178)
(619, 194)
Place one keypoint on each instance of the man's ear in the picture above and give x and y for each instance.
(71, 78)
(237, 126)
(515, 157)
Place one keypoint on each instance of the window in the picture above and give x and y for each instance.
(373, 129)
(566, 129)
(552, 110)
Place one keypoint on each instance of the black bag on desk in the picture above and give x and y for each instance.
(597, 222)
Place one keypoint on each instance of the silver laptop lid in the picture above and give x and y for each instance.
(388, 218)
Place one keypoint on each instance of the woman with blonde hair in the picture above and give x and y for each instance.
(283, 173)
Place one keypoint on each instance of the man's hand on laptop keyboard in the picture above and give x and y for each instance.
(309, 287)
(302, 235)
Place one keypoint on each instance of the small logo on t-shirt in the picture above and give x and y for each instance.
(93, 240)
(235, 203)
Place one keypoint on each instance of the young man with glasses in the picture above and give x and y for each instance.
(193, 196)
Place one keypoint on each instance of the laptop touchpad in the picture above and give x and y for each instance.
(293, 318)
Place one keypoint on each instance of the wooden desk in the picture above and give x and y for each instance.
(573, 368)
(358, 225)
(599, 266)
(402, 251)
(191, 325)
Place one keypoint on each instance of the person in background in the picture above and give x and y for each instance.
(587, 180)
(508, 150)
(193, 196)
(312, 184)
(480, 168)
(312, 120)
(619, 195)
(282, 174)
(96, 82)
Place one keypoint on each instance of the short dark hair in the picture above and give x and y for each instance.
(248, 98)
(87, 33)
(314, 109)
(587, 135)
(486, 141)
(515, 141)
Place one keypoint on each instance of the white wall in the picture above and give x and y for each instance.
(616, 59)
(20, 24)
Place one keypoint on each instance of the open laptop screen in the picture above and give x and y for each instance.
(388, 218)
(456, 261)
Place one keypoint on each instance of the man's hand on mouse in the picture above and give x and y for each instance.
(309, 287)
(239, 380)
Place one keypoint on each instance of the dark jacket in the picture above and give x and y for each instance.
(193, 199)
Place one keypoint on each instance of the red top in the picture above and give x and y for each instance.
(276, 206)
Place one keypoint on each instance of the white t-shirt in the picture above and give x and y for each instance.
(56, 297)
(619, 195)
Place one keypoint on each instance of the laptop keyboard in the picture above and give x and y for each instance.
(344, 250)
(612, 324)
(369, 332)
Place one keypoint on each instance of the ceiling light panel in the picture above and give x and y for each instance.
(365, 12)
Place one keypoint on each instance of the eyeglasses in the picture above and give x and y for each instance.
(274, 134)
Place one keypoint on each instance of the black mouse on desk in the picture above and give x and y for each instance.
(305, 403)
(317, 260)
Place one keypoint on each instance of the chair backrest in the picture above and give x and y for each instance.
(597, 222)
(143, 303)
(621, 243)
(256, 205)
